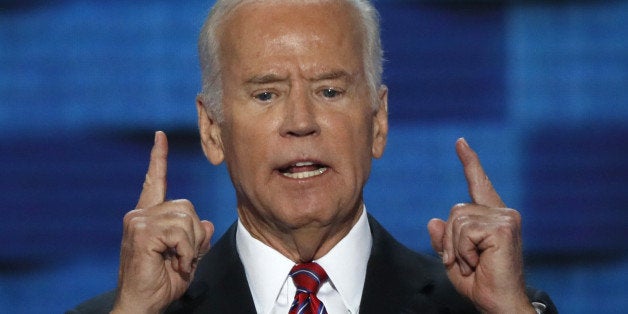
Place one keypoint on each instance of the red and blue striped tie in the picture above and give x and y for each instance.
(307, 278)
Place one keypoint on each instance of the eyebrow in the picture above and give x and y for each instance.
(273, 78)
(333, 75)
(265, 79)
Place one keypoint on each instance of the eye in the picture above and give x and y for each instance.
(330, 93)
(264, 96)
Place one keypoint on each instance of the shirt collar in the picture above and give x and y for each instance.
(267, 270)
(346, 263)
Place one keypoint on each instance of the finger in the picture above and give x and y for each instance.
(198, 232)
(436, 229)
(154, 189)
(465, 248)
(174, 214)
(480, 188)
(170, 255)
(448, 246)
(181, 251)
(203, 244)
(455, 240)
(184, 215)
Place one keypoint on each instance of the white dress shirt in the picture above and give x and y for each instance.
(273, 290)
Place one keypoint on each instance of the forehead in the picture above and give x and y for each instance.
(299, 12)
(258, 29)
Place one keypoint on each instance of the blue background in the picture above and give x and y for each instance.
(539, 89)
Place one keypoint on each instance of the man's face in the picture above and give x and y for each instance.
(299, 131)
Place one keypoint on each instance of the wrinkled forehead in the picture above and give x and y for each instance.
(258, 32)
(262, 14)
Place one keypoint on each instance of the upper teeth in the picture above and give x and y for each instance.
(305, 174)
(303, 163)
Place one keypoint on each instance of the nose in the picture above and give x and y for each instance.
(299, 116)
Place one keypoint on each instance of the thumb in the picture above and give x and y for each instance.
(154, 188)
(209, 231)
(436, 228)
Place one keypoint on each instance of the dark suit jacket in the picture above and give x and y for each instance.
(398, 280)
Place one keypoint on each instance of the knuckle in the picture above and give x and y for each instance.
(457, 209)
(175, 234)
(177, 214)
(130, 214)
(461, 220)
(184, 206)
(467, 224)
(512, 216)
(182, 218)
(505, 230)
(183, 203)
(136, 229)
(138, 223)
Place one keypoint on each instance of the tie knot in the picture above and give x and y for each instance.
(308, 277)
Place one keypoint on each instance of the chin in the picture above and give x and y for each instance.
(314, 215)
(304, 214)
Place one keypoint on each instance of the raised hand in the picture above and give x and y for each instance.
(480, 244)
(162, 242)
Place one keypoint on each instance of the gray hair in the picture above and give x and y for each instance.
(209, 48)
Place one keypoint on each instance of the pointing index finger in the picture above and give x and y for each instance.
(480, 188)
(154, 188)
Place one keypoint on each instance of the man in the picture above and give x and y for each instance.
(293, 103)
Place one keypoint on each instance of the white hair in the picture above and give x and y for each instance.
(209, 48)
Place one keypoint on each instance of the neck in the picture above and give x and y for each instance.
(304, 243)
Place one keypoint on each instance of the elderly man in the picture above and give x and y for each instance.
(292, 102)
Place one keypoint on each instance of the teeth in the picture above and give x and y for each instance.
(305, 174)
(304, 163)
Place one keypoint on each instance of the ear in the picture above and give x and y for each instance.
(380, 123)
(209, 129)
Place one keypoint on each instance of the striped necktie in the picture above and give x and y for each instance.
(307, 278)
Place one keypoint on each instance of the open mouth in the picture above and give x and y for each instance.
(303, 170)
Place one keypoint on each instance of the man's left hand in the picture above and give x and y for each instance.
(480, 244)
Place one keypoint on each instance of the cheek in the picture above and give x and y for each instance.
(247, 145)
(235, 146)
(354, 142)
(361, 131)
(364, 141)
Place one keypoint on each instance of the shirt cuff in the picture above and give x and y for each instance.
(539, 307)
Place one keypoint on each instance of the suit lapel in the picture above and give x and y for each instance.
(399, 280)
(394, 280)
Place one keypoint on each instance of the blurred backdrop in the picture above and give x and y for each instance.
(539, 89)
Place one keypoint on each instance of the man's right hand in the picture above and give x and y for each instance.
(162, 243)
